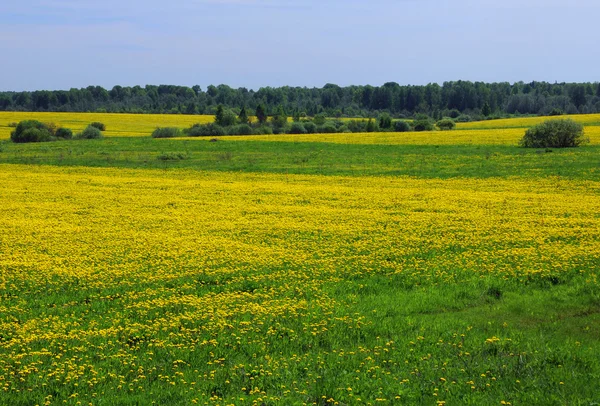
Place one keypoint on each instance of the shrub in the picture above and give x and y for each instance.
(297, 128)
(166, 132)
(385, 121)
(401, 126)
(172, 156)
(242, 129)
(99, 125)
(51, 127)
(327, 128)
(464, 118)
(263, 130)
(64, 133)
(320, 119)
(90, 133)
(422, 125)
(310, 127)
(554, 134)
(556, 112)
(446, 124)
(31, 131)
(371, 126)
(205, 130)
(357, 126)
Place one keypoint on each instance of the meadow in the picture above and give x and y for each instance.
(384, 268)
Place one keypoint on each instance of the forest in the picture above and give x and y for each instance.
(472, 100)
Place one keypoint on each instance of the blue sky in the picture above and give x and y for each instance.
(59, 44)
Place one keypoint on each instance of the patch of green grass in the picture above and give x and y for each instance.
(444, 161)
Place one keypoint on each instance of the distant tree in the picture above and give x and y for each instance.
(243, 116)
(261, 114)
(371, 126)
(224, 117)
(219, 115)
(486, 110)
(279, 120)
(385, 121)
(320, 119)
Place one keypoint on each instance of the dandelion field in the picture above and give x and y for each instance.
(436, 268)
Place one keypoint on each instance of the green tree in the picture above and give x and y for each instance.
(243, 116)
(486, 110)
(261, 114)
(219, 115)
(385, 121)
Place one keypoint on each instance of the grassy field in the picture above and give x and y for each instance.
(432, 268)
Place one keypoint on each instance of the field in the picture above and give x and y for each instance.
(416, 268)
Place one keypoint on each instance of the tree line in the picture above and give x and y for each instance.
(451, 99)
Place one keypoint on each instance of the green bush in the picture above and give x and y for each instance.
(166, 132)
(327, 128)
(241, 129)
(401, 126)
(556, 112)
(554, 134)
(263, 130)
(310, 127)
(297, 128)
(64, 133)
(423, 125)
(99, 125)
(464, 118)
(446, 124)
(31, 131)
(320, 119)
(385, 121)
(357, 126)
(90, 133)
(205, 130)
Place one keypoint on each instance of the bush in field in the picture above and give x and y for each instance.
(205, 130)
(263, 130)
(371, 126)
(464, 118)
(327, 128)
(554, 134)
(90, 133)
(320, 119)
(242, 129)
(401, 126)
(64, 133)
(310, 127)
(297, 128)
(98, 125)
(357, 126)
(385, 121)
(446, 124)
(31, 131)
(424, 124)
(166, 132)
(224, 117)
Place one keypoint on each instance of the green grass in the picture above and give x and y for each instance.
(425, 161)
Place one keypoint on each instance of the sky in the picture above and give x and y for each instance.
(61, 44)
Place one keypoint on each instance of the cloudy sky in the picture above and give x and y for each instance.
(59, 44)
